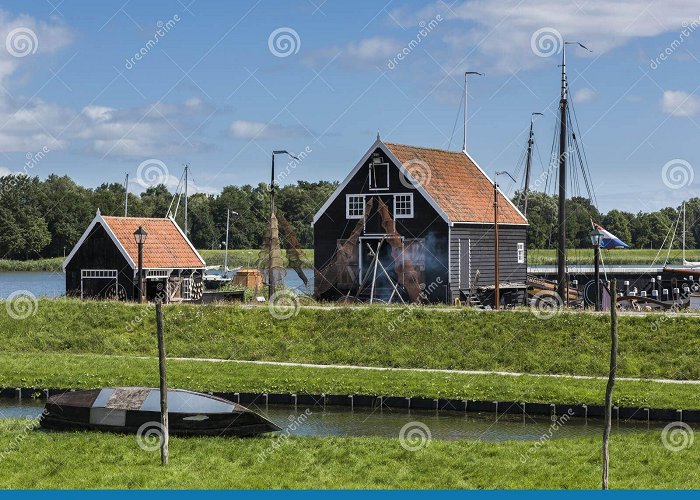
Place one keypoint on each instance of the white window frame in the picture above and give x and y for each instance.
(186, 290)
(410, 200)
(348, 197)
(521, 253)
(372, 177)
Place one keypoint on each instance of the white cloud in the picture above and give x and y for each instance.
(245, 129)
(584, 95)
(43, 38)
(496, 36)
(363, 54)
(679, 103)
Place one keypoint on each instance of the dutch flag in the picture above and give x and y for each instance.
(609, 241)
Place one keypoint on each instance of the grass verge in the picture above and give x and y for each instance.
(83, 460)
(37, 265)
(635, 256)
(651, 346)
(43, 370)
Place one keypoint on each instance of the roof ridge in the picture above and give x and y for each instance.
(132, 217)
(423, 147)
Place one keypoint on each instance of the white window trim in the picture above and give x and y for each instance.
(347, 206)
(407, 216)
(373, 173)
(521, 253)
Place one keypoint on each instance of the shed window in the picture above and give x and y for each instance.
(521, 253)
(379, 176)
(403, 205)
(354, 206)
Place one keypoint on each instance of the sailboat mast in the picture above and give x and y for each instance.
(126, 196)
(186, 230)
(528, 164)
(683, 205)
(562, 284)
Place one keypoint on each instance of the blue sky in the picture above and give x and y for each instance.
(219, 90)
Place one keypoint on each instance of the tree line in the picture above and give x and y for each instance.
(45, 218)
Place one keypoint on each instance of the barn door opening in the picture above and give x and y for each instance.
(99, 284)
(381, 272)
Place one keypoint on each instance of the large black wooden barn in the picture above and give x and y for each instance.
(104, 262)
(429, 216)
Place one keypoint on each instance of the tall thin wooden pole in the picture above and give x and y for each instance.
(186, 195)
(611, 381)
(164, 441)
(562, 285)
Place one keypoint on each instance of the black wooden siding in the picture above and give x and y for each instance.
(98, 251)
(426, 223)
(481, 238)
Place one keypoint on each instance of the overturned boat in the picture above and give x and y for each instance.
(133, 409)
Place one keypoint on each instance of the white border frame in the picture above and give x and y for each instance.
(374, 174)
(413, 213)
(347, 206)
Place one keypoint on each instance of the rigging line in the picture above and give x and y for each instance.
(663, 244)
(172, 200)
(584, 162)
(459, 112)
(670, 243)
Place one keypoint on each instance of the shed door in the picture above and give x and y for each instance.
(465, 263)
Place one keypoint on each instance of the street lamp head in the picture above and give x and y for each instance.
(596, 237)
(140, 235)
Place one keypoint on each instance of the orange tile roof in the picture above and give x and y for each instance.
(165, 246)
(456, 184)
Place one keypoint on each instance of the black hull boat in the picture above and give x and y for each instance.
(136, 409)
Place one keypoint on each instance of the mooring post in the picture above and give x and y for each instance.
(163, 383)
(611, 382)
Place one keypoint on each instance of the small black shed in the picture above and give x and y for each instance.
(429, 215)
(104, 262)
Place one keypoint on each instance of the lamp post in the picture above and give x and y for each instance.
(271, 284)
(140, 238)
(596, 237)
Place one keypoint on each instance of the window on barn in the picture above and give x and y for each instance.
(521, 253)
(354, 206)
(379, 176)
(403, 205)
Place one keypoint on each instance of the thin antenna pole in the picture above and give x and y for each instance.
(683, 205)
(126, 196)
(186, 230)
(228, 214)
(466, 98)
(271, 284)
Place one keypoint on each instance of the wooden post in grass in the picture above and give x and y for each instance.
(611, 381)
(163, 383)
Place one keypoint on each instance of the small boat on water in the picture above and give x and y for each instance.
(129, 409)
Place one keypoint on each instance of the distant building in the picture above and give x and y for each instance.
(430, 213)
(104, 262)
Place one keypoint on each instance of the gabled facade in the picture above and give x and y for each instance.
(104, 262)
(441, 205)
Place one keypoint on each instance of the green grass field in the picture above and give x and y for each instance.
(63, 370)
(652, 346)
(545, 257)
(80, 460)
(245, 258)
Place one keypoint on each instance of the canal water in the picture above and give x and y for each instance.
(451, 426)
(53, 284)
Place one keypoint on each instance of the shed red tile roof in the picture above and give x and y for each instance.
(456, 184)
(165, 246)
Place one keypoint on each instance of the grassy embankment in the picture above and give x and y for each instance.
(536, 257)
(69, 343)
(48, 460)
